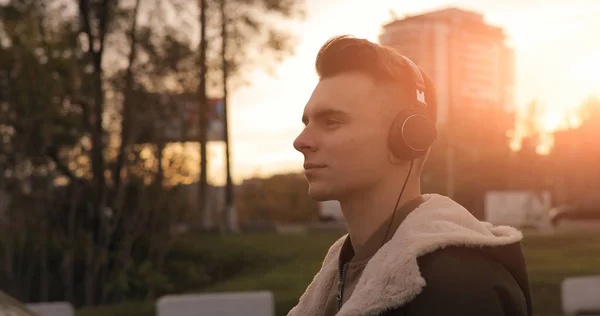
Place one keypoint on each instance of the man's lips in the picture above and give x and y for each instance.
(310, 165)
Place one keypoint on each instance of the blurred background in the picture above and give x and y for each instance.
(146, 145)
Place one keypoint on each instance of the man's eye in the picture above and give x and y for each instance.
(331, 122)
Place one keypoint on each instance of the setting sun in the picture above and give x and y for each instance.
(588, 70)
(553, 120)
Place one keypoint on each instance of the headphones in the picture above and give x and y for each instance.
(413, 131)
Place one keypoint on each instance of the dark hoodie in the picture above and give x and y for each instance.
(464, 281)
(440, 261)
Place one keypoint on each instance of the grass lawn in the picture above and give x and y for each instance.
(287, 263)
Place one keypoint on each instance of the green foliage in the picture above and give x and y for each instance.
(280, 198)
(253, 41)
(38, 65)
(285, 264)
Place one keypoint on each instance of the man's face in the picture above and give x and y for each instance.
(344, 141)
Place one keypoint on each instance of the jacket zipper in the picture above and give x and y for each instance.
(340, 293)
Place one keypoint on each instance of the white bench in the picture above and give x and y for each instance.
(260, 303)
(51, 308)
(581, 296)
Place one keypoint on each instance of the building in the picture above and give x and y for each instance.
(468, 60)
(473, 70)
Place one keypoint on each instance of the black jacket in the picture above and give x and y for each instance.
(440, 261)
(464, 281)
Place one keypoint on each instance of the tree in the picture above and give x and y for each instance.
(250, 34)
(56, 96)
(575, 156)
(81, 162)
(38, 117)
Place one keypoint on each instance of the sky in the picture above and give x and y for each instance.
(557, 58)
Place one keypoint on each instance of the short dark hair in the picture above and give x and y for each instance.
(345, 53)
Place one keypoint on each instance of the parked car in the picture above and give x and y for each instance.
(576, 215)
(9, 306)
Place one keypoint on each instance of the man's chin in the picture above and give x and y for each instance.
(320, 194)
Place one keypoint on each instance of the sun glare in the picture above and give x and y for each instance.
(552, 121)
(587, 70)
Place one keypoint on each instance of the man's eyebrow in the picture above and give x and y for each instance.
(324, 113)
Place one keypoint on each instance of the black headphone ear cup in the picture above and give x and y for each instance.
(412, 133)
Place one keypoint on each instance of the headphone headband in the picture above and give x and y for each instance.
(417, 79)
(413, 131)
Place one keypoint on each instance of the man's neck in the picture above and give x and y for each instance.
(366, 213)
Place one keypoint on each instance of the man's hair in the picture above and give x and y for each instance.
(345, 53)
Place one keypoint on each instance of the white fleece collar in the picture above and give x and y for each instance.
(392, 277)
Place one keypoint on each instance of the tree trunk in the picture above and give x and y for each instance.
(231, 218)
(7, 236)
(69, 251)
(90, 269)
(126, 116)
(30, 266)
(96, 16)
(9, 257)
(68, 274)
(160, 258)
(160, 147)
(203, 109)
(89, 287)
(44, 262)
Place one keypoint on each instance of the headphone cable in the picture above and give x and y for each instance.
(397, 202)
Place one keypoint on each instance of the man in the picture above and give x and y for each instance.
(369, 125)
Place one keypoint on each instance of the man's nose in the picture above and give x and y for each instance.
(305, 142)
